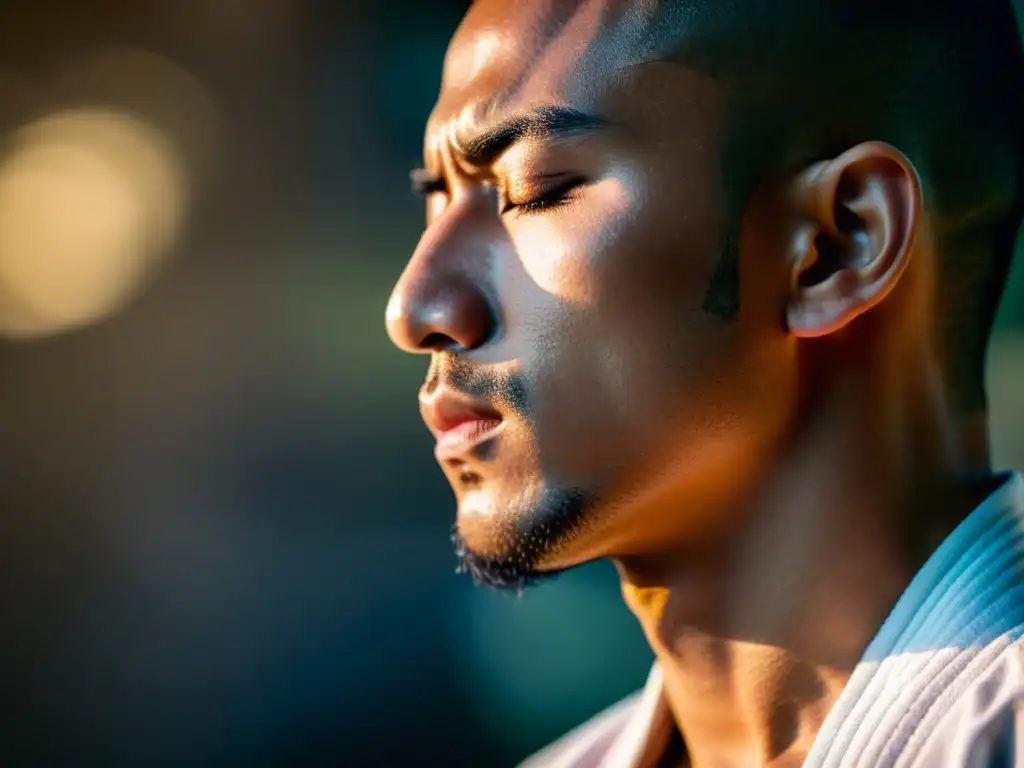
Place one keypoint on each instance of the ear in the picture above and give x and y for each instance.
(862, 211)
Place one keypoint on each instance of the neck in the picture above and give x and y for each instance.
(757, 634)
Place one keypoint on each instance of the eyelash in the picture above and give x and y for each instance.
(557, 196)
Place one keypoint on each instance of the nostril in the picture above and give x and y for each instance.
(436, 342)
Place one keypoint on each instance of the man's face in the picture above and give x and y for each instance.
(586, 405)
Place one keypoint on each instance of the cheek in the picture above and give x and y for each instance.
(581, 390)
(561, 250)
(614, 342)
(580, 374)
(606, 397)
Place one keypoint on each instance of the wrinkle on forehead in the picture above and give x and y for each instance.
(507, 57)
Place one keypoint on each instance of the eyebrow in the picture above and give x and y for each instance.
(551, 122)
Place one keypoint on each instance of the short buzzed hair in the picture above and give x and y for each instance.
(941, 80)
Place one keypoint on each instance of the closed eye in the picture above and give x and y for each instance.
(552, 197)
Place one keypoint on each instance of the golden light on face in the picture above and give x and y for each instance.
(483, 51)
(554, 251)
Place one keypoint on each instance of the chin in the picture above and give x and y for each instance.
(509, 542)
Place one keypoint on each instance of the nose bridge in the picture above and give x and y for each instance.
(440, 300)
(440, 258)
(441, 246)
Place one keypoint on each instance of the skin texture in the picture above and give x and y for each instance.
(760, 482)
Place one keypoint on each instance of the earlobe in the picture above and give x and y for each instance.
(861, 212)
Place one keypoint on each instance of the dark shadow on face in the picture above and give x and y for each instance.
(555, 520)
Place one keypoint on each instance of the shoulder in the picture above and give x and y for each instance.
(586, 744)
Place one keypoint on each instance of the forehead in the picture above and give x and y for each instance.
(509, 57)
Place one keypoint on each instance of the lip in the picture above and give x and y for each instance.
(458, 423)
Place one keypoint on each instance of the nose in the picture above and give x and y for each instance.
(439, 302)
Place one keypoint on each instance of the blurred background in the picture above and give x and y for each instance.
(225, 539)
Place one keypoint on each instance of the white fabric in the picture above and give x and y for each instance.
(941, 685)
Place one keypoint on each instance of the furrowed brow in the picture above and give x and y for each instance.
(542, 123)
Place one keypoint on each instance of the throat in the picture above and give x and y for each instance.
(740, 704)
